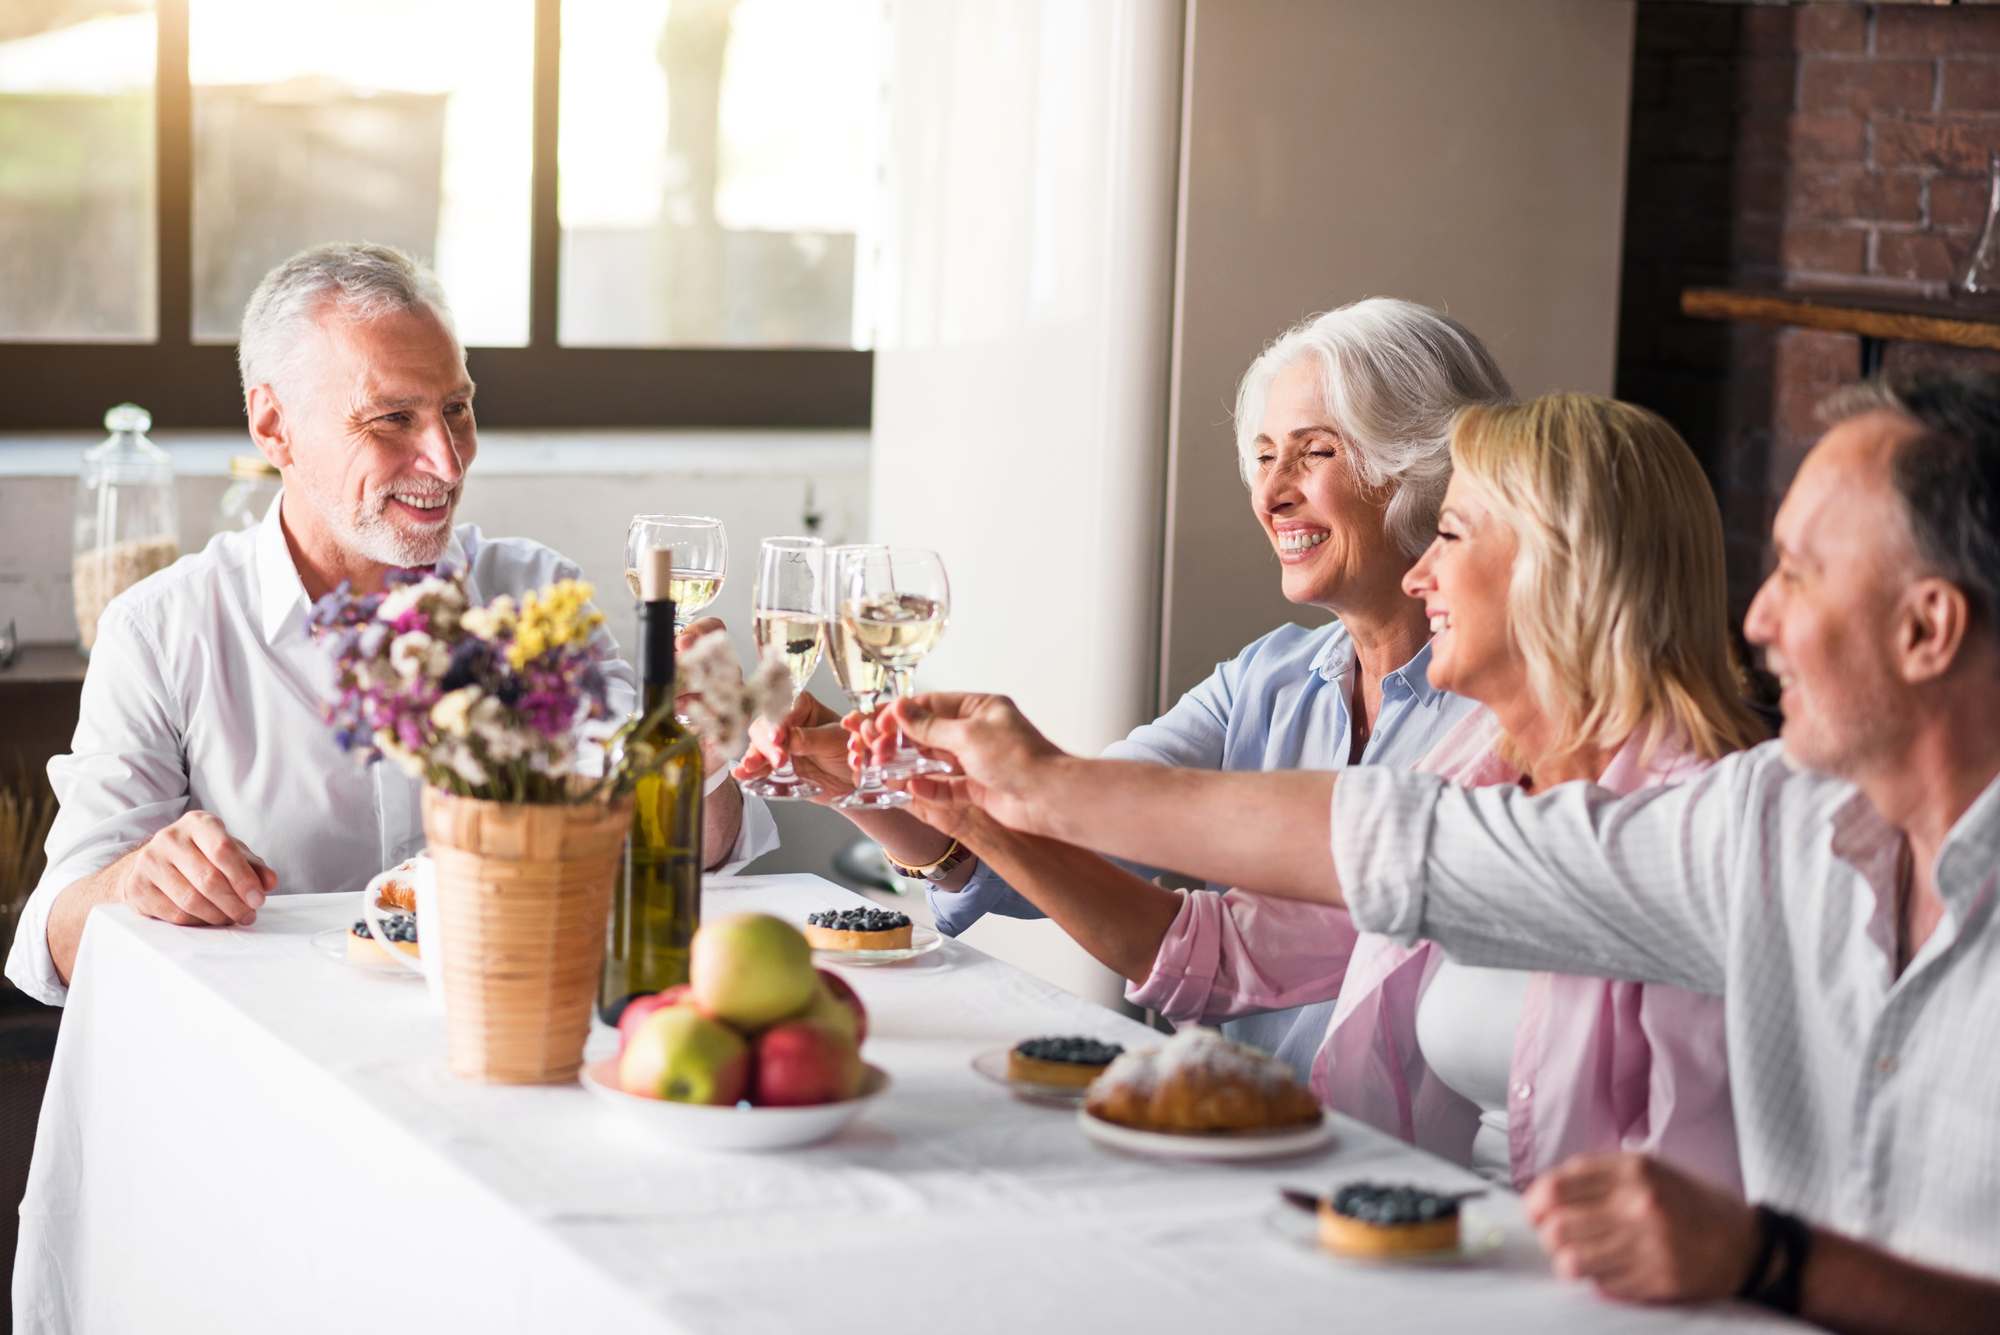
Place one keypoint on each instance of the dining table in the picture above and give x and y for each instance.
(244, 1133)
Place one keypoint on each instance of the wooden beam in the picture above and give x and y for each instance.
(1871, 315)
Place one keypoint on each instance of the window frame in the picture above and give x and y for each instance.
(68, 386)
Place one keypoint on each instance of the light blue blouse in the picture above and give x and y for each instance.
(1280, 704)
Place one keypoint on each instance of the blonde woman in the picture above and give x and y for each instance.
(1575, 588)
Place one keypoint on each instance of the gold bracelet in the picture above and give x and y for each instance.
(918, 873)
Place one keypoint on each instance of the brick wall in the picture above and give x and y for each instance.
(1806, 146)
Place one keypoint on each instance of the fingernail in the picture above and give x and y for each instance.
(249, 918)
(255, 899)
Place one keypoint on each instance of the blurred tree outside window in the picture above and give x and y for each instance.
(77, 254)
(717, 162)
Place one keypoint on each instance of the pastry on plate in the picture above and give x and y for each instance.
(399, 928)
(395, 890)
(858, 929)
(1201, 1082)
(1073, 1062)
(1376, 1219)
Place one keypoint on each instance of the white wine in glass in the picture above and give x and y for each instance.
(895, 602)
(700, 559)
(864, 679)
(788, 615)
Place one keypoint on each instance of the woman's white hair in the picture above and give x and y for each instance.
(359, 279)
(1392, 374)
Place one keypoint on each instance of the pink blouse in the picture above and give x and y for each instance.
(1597, 1067)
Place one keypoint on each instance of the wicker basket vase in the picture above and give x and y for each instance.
(525, 894)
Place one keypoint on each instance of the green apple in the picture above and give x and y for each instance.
(751, 969)
(680, 1055)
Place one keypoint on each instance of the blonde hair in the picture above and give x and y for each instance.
(1391, 374)
(1618, 601)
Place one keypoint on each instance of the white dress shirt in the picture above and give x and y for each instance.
(1865, 1101)
(205, 694)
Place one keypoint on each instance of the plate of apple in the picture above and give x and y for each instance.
(758, 1050)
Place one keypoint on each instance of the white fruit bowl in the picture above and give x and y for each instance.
(711, 1128)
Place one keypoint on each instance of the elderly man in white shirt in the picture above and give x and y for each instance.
(1838, 889)
(202, 776)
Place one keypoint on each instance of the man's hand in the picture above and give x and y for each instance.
(193, 873)
(1000, 754)
(1642, 1230)
(815, 739)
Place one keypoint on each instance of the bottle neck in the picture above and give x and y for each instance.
(656, 654)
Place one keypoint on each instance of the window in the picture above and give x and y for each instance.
(647, 212)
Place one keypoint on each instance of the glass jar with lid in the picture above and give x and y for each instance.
(127, 518)
(253, 485)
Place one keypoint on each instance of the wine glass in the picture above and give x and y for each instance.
(895, 602)
(864, 679)
(789, 610)
(700, 559)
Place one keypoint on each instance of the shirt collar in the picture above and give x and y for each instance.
(280, 589)
(283, 593)
(1337, 656)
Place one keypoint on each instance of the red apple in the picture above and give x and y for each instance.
(751, 969)
(806, 1061)
(638, 1008)
(834, 1002)
(680, 1055)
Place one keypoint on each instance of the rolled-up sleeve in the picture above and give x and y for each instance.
(1574, 880)
(1234, 954)
(124, 779)
(756, 836)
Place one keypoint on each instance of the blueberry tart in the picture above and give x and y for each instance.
(400, 929)
(1373, 1219)
(858, 929)
(1070, 1062)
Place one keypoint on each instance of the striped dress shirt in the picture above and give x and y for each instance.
(1866, 1101)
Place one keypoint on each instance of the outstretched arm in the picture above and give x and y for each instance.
(1270, 830)
(1116, 916)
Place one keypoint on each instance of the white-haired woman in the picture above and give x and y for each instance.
(1342, 429)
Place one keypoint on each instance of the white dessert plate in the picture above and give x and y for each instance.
(923, 940)
(710, 1128)
(332, 943)
(1478, 1236)
(1219, 1147)
(993, 1065)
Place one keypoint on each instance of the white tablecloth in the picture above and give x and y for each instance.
(240, 1134)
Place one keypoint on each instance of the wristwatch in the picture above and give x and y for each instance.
(953, 857)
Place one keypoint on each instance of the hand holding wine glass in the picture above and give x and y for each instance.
(1000, 754)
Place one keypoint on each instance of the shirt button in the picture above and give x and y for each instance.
(1885, 1065)
(1523, 1090)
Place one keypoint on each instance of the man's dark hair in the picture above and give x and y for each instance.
(1949, 476)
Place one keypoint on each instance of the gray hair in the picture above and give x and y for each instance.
(1392, 375)
(1948, 477)
(359, 279)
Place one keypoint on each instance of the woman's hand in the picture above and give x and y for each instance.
(1001, 755)
(1642, 1230)
(815, 739)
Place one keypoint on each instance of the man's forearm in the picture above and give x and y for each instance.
(71, 910)
(1863, 1290)
(1116, 916)
(1270, 830)
(721, 823)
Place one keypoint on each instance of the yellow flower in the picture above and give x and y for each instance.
(551, 618)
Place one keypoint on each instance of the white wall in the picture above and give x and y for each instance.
(1021, 357)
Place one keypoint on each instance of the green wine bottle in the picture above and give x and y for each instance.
(657, 904)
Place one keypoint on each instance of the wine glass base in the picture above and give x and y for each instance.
(882, 800)
(930, 766)
(773, 789)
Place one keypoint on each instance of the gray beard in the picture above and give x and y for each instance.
(368, 532)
